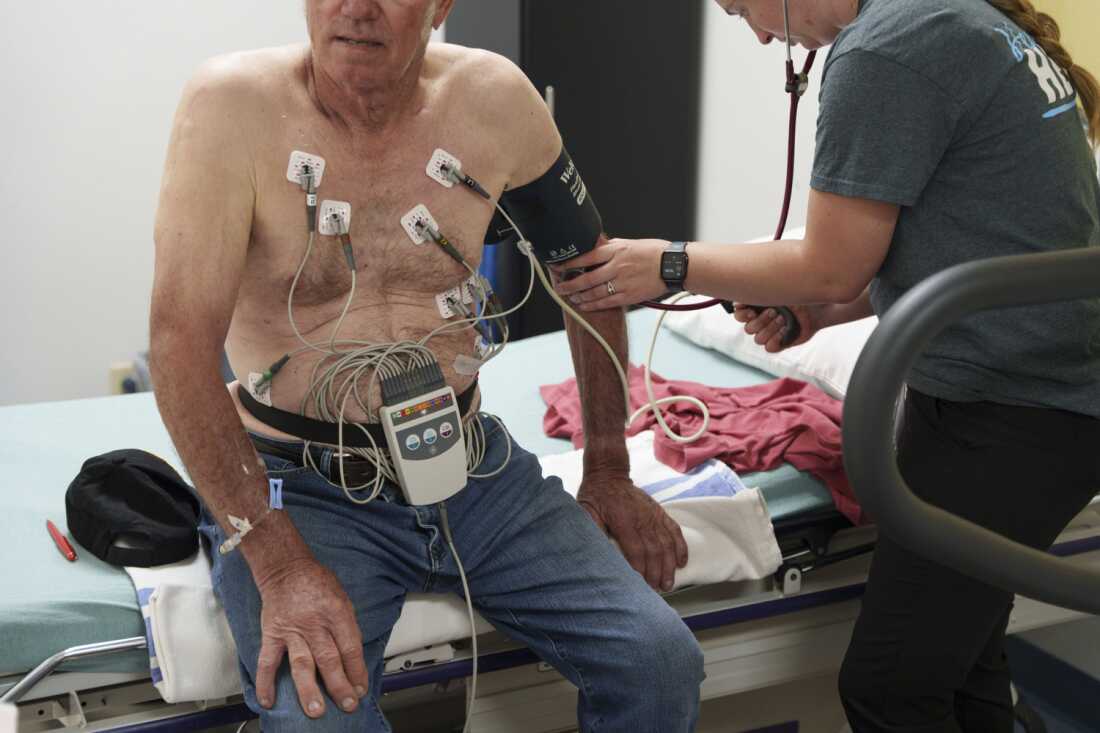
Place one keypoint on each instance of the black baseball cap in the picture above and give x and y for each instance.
(129, 507)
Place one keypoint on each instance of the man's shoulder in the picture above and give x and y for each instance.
(243, 78)
(454, 58)
(477, 71)
(498, 99)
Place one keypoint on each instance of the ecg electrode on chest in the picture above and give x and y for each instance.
(303, 166)
(417, 223)
(307, 171)
(335, 218)
(446, 170)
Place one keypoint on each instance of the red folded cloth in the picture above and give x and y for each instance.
(751, 428)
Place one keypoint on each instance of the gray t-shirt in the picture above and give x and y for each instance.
(947, 109)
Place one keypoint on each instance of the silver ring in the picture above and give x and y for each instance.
(611, 288)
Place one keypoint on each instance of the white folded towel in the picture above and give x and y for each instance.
(191, 652)
(728, 532)
(726, 526)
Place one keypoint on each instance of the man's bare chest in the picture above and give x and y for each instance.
(374, 193)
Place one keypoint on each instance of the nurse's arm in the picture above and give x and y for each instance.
(845, 244)
(840, 313)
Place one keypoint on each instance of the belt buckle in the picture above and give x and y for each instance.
(355, 468)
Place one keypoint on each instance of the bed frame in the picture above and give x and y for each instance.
(787, 629)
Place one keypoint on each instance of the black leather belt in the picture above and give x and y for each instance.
(319, 431)
(356, 471)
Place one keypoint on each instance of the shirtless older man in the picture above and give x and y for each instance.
(322, 583)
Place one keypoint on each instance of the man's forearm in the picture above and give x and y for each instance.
(600, 389)
(222, 464)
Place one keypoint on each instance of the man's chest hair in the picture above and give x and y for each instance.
(387, 259)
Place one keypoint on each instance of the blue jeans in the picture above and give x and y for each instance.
(539, 570)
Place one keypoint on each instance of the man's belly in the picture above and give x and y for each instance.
(307, 386)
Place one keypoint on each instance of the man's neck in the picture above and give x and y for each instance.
(373, 108)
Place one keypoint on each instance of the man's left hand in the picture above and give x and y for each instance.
(627, 271)
(651, 542)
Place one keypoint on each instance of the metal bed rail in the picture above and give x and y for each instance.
(869, 412)
(72, 654)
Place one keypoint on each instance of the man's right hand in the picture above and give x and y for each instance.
(767, 326)
(308, 617)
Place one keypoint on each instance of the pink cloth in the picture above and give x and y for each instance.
(751, 428)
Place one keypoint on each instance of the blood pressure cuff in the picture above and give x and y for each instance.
(555, 213)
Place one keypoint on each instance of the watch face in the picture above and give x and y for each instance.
(673, 265)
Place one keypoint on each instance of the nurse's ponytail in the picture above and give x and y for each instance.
(1044, 29)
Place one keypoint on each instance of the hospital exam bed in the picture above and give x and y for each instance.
(755, 634)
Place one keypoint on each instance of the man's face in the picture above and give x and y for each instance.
(365, 42)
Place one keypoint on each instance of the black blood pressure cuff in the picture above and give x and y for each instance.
(555, 213)
(499, 229)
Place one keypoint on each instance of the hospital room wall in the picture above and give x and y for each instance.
(1080, 23)
(89, 93)
(743, 135)
(90, 90)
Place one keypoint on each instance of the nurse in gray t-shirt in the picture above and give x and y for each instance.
(949, 131)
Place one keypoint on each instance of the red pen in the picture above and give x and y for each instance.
(63, 545)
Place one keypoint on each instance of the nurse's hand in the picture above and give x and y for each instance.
(627, 271)
(768, 326)
(652, 543)
(308, 617)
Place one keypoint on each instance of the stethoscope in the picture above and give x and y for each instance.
(796, 85)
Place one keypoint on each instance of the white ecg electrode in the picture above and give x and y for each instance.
(442, 159)
(298, 160)
(415, 223)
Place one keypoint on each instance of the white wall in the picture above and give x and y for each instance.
(89, 92)
(743, 149)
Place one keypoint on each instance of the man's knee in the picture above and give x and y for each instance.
(287, 713)
(290, 718)
(667, 655)
(684, 654)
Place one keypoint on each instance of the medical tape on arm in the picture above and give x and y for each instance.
(244, 525)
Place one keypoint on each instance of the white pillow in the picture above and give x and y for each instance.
(826, 360)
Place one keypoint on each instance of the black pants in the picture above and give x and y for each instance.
(928, 649)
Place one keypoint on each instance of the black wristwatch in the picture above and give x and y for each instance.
(674, 266)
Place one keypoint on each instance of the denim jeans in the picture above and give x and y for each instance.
(539, 570)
